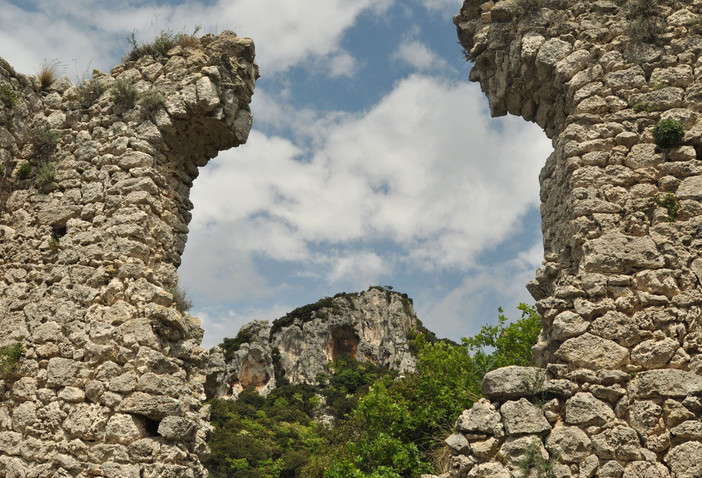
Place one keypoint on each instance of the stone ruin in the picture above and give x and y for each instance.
(620, 394)
(93, 221)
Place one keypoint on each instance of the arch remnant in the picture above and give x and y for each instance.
(91, 235)
(619, 289)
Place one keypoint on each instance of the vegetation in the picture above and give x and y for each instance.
(671, 203)
(88, 92)
(386, 426)
(180, 299)
(8, 96)
(49, 72)
(161, 45)
(44, 141)
(46, 172)
(534, 461)
(10, 357)
(124, 93)
(528, 7)
(668, 133)
(645, 25)
(23, 171)
(151, 100)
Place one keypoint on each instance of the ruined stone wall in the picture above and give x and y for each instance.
(619, 289)
(91, 234)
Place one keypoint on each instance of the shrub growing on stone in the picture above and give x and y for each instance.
(10, 357)
(151, 100)
(161, 45)
(24, 170)
(49, 72)
(124, 93)
(670, 202)
(668, 133)
(46, 172)
(44, 141)
(180, 299)
(8, 96)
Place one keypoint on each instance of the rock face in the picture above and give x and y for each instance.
(93, 220)
(370, 326)
(619, 289)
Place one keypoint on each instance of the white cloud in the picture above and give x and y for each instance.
(219, 323)
(424, 170)
(419, 56)
(442, 6)
(290, 33)
(461, 312)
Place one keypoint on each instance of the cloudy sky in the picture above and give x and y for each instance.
(372, 160)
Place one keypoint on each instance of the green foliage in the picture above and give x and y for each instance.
(23, 171)
(54, 243)
(533, 461)
(161, 45)
(641, 107)
(670, 202)
(502, 345)
(387, 427)
(124, 93)
(46, 172)
(180, 298)
(151, 100)
(230, 346)
(645, 25)
(88, 92)
(304, 314)
(44, 141)
(10, 357)
(668, 133)
(8, 96)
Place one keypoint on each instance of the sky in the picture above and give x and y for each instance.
(372, 160)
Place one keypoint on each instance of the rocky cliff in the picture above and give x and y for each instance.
(620, 286)
(370, 326)
(94, 185)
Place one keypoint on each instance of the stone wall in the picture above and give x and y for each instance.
(90, 239)
(619, 289)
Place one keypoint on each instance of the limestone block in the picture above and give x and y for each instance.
(619, 442)
(550, 53)
(689, 430)
(629, 78)
(486, 448)
(685, 460)
(62, 372)
(616, 326)
(523, 417)
(513, 382)
(617, 253)
(654, 353)
(489, 470)
(571, 444)
(584, 408)
(154, 407)
(666, 383)
(482, 418)
(591, 351)
(86, 421)
(643, 156)
(177, 428)
(645, 469)
(458, 443)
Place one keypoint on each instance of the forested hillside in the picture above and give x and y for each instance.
(365, 421)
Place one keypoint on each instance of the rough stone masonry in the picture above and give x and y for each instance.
(93, 220)
(619, 289)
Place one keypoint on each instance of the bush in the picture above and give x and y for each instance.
(670, 202)
(180, 299)
(23, 171)
(10, 357)
(124, 93)
(644, 23)
(8, 96)
(162, 44)
(151, 100)
(46, 173)
(44, 141)
(668, 133)
(49, 72)
(89, 91)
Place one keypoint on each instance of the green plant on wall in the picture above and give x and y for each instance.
(44, 141)
(46, 172)
(23, 171)
(645, 24)
(10, 357)
(670, 202)
(668, 133)
(533, 461)
(8, 96)
(124, 93)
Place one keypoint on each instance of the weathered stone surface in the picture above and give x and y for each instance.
(617, 253)
(584, 408)
(666, 383)
(571, 444)
(523, 417)
(617, 443)
(482, 418)
(513, 382)
(591, 351)
(685, 460)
